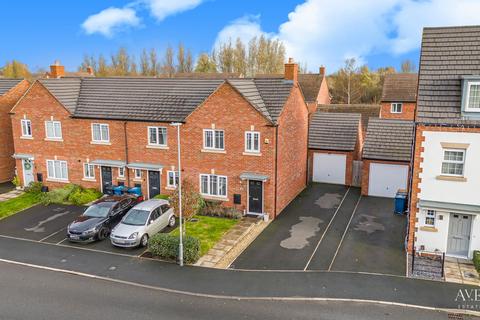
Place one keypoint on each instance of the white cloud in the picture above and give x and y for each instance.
(160, 9)
(110, 20)
(326, 32)
(244, 28)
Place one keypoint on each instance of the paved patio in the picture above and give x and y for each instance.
(10, 195)
(461, 271)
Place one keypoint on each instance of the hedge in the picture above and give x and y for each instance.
(165, 246)
(476, 260)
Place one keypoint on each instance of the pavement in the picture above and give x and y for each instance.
(333, 228)
(33, 294)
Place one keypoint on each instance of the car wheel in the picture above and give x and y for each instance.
(144, 240)
(171, 222)
(103, 233)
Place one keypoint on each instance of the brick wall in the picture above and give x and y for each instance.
(366, 172)
(7, 101)
(408, 111)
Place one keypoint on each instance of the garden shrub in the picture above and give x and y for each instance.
(216, 209)
(165, 246)
(70, 194)
(476, 260)
(34, 188)
(162, 196)
(81, 196)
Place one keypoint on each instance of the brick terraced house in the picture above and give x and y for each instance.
(399, 96)
(445, 206)
(244, 141)
(11, 90)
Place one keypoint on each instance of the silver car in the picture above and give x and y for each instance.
(142, 222)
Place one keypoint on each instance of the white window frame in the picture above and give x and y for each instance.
(214, 140)
(395, 105)
(430, 217)
(467, 103)
(102, 138)
(252, 134)
(121, 174)
(26, 125)
(463, 151)
(53, 175)
(157, 134)
(54, 137)
(88, 171)
(175, 178)
(137, 174)
(209, 192)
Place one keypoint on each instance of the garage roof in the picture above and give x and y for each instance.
(334, 131)
(389, 140)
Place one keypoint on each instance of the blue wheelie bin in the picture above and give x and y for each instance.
(400, 202)
(119, 190)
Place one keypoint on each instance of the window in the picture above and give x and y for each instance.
(213, 139)
(157, 136)
(54, 129)
(165, 208)
(453, 162)
(121, 172)
(252, 141)
(473, 97)
(57, 169)
(100, 133)
(397, 107)
(138, 173)
(88, 171)
(172, 179)
(26, 128)
(213, 185)
(430, 217)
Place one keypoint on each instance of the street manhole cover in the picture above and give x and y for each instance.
(455, 316)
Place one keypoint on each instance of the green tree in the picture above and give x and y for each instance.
(205, 64)
(15, 69)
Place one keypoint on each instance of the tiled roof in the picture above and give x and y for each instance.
(389, 140)
(334, 131)
(310, 84)
(155, 99)
(447, 55)
(400, 87)
(7, 84)
(366, 110)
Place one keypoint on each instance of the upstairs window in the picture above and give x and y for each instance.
(453, 162)
(100, 133)
(213, 139)
(26, 128)
(53, 129)
(396, 107)
(252, 141)
(213, 185)
(473, 97)
(157, 136)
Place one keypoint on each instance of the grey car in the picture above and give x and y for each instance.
(142, 222)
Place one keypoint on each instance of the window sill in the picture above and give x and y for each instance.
(449, 145)
(214, 151)
(89, 179)
(57, 180)
(208, 197)
(54, 139)
(26, 138)
(101, 143)
(137, 179)
(429, 229)
(170, 188)
(152, 146)
(121, 178)
(451, 178)
(255, 154)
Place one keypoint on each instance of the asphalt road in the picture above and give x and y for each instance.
(30, 293)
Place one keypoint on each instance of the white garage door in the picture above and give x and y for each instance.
(329, 168)
(386, 179)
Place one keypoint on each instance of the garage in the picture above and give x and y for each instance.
(329, 168)
(386, 179)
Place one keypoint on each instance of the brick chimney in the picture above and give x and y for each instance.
(90, 70)
(57, 70)
(291, 70)
(322, 70)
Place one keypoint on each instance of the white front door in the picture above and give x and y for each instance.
(27, 168)
(329, 168)
(386, 179)
(459, 234)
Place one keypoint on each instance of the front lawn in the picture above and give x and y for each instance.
(208, 230)
(22, 202)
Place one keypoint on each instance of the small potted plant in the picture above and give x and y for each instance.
(16, 183)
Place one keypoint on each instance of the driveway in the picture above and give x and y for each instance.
(6, 187)
(333, 228)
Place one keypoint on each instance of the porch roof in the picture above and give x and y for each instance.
(23, 156)
(254, 176)
(145, 166)
(108, 163)
(449, 206)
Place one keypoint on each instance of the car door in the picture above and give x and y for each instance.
(152, 225)
(166, 213)
(115, 215)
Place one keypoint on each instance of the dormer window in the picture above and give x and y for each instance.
(473, 97)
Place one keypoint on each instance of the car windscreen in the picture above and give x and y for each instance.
(97, 211)
(136, 217)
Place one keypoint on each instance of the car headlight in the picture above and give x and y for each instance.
(91, 231)
(133, 235)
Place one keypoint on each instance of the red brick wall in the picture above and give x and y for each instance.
(292, 149)
(7, 101)
(408, 111)
(324, 94)
(366, 172)
(349, 164)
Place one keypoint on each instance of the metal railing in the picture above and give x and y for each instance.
(430, 254)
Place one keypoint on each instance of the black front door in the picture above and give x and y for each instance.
(255, 196)
(153, 183)
(107, 180)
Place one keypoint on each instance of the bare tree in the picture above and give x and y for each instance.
(181, 59)
(189, 61)
(168, 64)
(192, 201)
(144, 63)
(408, 66)
(154, 65)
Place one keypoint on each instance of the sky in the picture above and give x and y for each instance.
(315, 32)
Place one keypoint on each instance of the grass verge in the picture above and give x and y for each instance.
(22, 202)
(208, 230)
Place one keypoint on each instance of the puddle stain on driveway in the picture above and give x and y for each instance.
(368, 224)
(329, 200)
(39, 228)
(301, 232)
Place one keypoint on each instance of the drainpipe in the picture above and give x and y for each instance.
(276, 169)
(127, 172)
